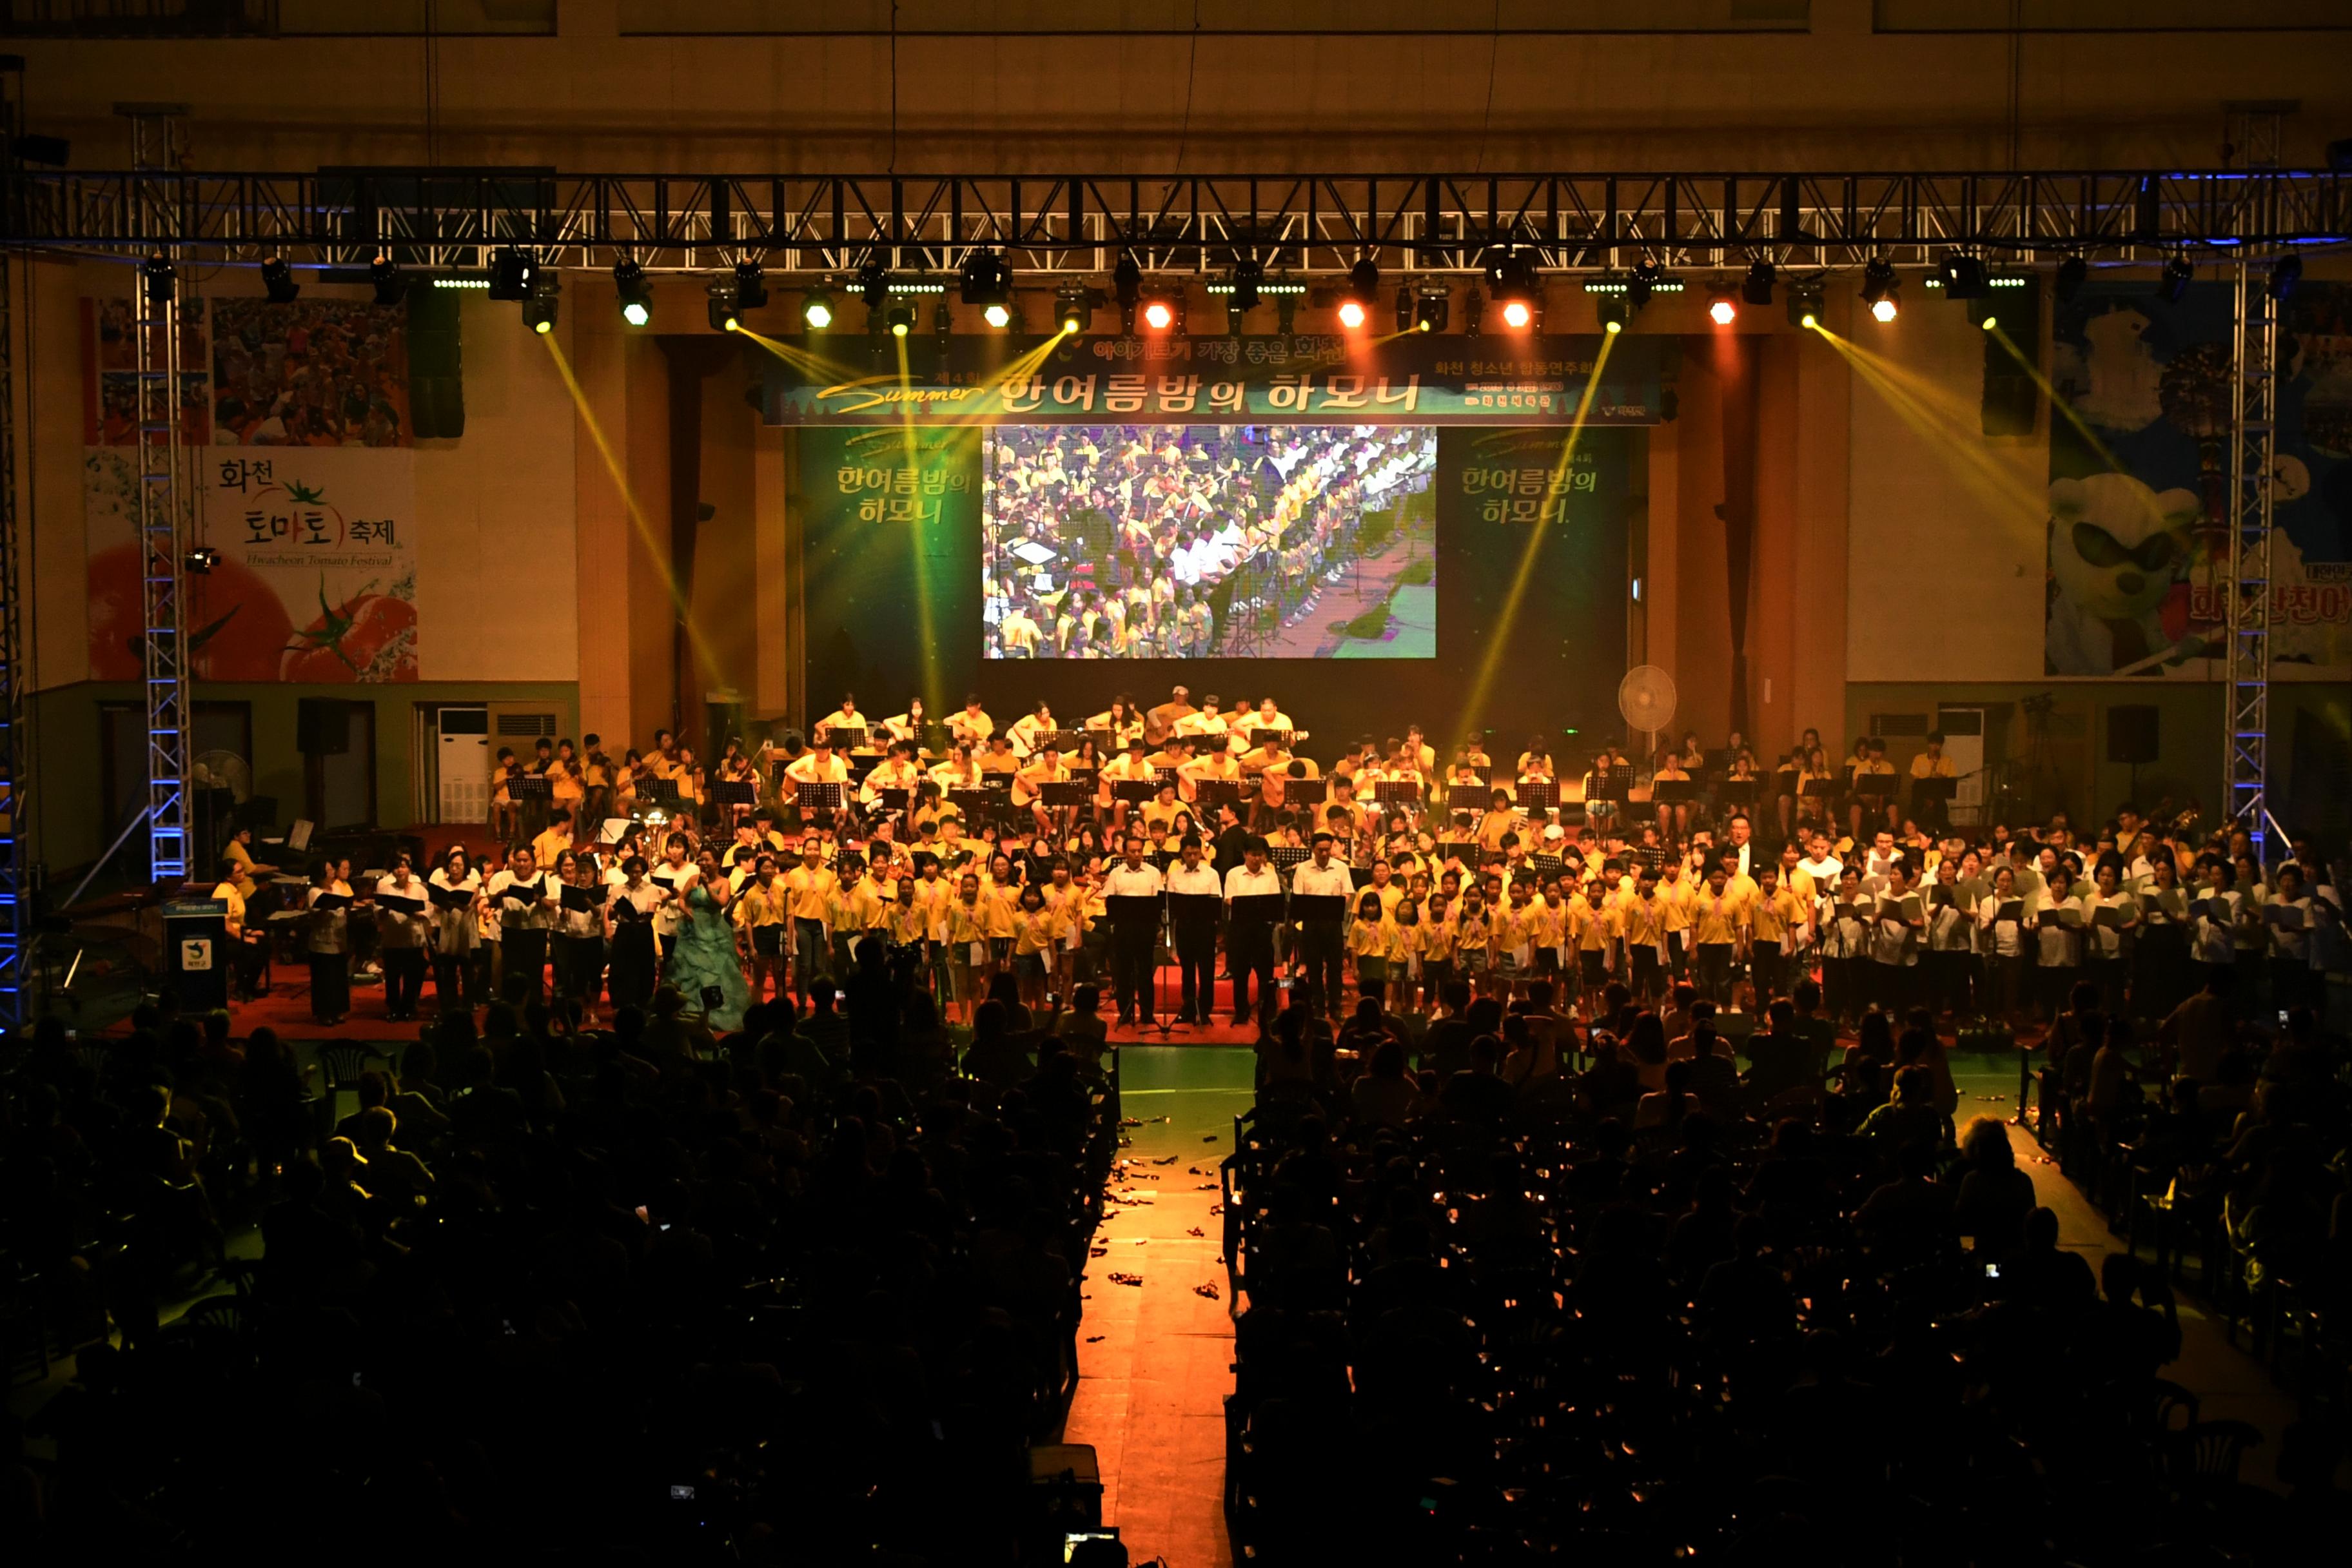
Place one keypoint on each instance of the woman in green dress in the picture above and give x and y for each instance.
(705, 961)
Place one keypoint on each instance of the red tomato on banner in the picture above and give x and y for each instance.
(369, 636)
(238, 629)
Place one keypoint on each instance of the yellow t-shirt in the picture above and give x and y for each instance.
(1715, 918)
(810, 893)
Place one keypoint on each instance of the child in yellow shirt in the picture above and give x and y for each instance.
(1371, 938)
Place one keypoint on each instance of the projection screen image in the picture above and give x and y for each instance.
(1209, 542)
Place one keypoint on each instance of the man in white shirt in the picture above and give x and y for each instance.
(1134, 933)
(1254, 895)
(1320, 940)
(1195, 930)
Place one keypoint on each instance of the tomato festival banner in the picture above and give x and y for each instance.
(1504, 380)
(316, 581)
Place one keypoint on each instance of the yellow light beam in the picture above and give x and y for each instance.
(656, 548)
(1995, 484)
(1499, 638)
(2057, 402)
(934, 696)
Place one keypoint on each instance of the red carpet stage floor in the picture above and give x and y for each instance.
(286, 1008)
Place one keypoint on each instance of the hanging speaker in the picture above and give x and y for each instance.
(2131, 735)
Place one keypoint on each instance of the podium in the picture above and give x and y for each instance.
(197, 953)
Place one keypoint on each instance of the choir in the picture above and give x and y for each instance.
(966, 850)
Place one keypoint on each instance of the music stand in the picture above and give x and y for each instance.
(810, 796)
(1547, 865)
(1539, 794)
(1608, 785)
(1939, 790)
(845, 738)
(1284, 857)
(893, 798)
(1672, 792)
(1736, 791)
(1306, 791)
(1136, 791)
(1214, 792)
(1403, 792)
(735, 793)
(1060, 793)
(530, 786)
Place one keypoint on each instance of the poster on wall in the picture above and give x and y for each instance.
(316, 580)
(2140, 484)
(305, 486)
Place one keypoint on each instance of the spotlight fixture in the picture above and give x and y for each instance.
(720, 304)
(390, 287)
(1249, 275)
(2072, 273)
(1285, 312)
(1362, 294)
(988, 283)
(1758, 288)
(200, 562)
(817, 308)
(1962, 276)
(546, 297)
(1431, 308)
(512, 272)
(751, 286)
(1473, 312)
(2173, 285)
(1404, 308)
(1805, 304)
(1159, 315)
(900, 316)
(1877, 280)
(1127, 283)
(1644, 283)
(636, 294)
(278, 279)
(1073, 309)
(874, 284)
(1511, 279)
(1885, 308)
(2285, 273)
(1723, 309)
(1613, 313)
(156, 273)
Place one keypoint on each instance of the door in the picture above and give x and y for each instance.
(340, 785)
(1964, 743)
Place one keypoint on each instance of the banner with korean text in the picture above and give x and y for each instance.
(316, 579)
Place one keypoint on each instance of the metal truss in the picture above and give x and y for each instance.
(2246, 590)
(166, 493)
(1189, 224)
(16, 922)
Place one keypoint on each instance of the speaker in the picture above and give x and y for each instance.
(2131, 733)
(322, 726)
(436, 386)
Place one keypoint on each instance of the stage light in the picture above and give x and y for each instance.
(1511, 279)
(2072, 272)
(636, 294)
(817, 310)
(1878, 287)
(1127, 283)
(1285, 312)
(1158, 315)
(278, 279)
(1431, 308)
(720, 305)
(1988, 321)
(900, 315)
(1364, 289)
(512, 272)
(1963, 276)
(1644, 283)
(1723, 309)
(1351, 313)
(2285, 273)
(1473, 312)
(539, 310)
(200, 561)
(1074, 307)
(874, 284)
(1805, 304)
(751, 286)
(1249, 274)
(390, 288)
(1885, 308)
(156, 273)
(1404, 308)
(988, 283)
(2173, 285)
(1758, 288)
(1613, 313)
